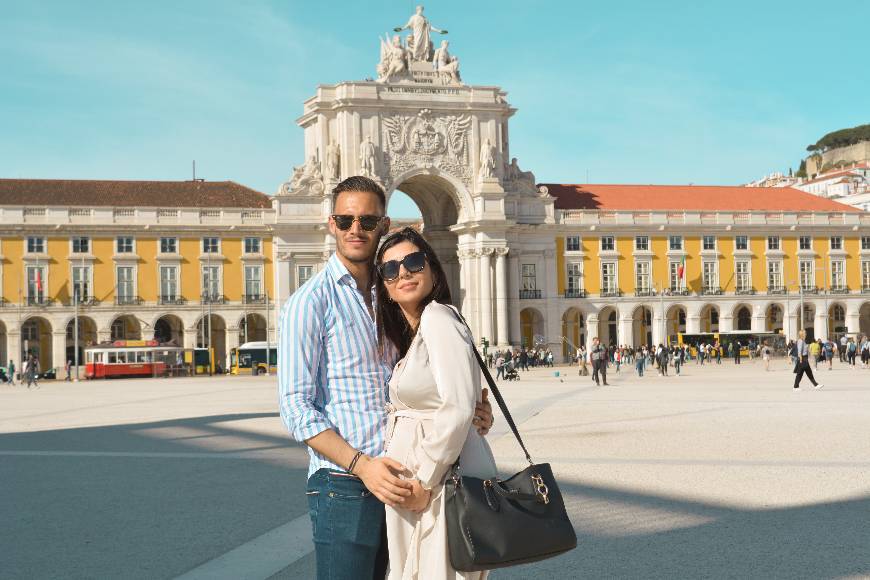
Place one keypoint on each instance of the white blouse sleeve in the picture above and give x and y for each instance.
(457, 379)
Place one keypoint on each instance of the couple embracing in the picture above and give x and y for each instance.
(378, 377)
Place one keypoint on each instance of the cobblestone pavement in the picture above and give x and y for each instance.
(723, 472)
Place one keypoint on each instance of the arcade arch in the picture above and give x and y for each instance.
(573, 331)
(608, 325)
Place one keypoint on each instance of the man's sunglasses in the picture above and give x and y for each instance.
(366, 222)
(413, 263)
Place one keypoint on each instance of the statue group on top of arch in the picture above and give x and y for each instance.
(307, 179)
(414, 60)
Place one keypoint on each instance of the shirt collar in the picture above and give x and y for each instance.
(340, 274)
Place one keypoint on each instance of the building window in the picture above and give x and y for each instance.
(608, 243)
(35, 245)
(744, 319)
(253, 276)
(36, 283)
(81, 282)
(211, 282)
(709, 243)
(865, 274)
(807, 278)
(168, 245)
(211, 245)
(641, 243)
(608, 277)
(677, 282)
(30, 330)
(168, 283)
(529, 277)
(572, 243)
(304, 274)
(742, 275)
(675, 242)
(575, 277)
(806, 243)
(865, 242)
(774, 274)
(642, 276)
(838, 274)
(126, 292)
(81, 245)
(252, 245)
(741, 243)
(711, 276)
(772, 242)
(124, 245)
(836, 242)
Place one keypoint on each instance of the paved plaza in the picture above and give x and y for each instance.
(723, 472)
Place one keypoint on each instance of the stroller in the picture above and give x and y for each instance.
(511, 374)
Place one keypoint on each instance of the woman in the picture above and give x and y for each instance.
(433, 392)
(765, 355)
(581, 360)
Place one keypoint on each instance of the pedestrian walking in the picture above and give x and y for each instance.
(851, 352)
(678, 359)
(499, 367)
(828, 349)
(737, 346)
(640, 362)
(765, 356)
(598, 355)
(68, 368)
(581, 360)
(11, 372)
(803, 365)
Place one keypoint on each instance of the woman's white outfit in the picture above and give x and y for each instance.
(433, 393)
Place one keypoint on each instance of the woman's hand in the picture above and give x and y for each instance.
(483, 414)
(418, 501)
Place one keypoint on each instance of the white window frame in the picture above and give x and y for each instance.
(673, 276)
(72, 245)
(615, 286)
(704, 243)
(576, 277)
(90, 280)
(865, 274)
(738, 276)
(524, 278)
(643, 265)
(778, 243)
(203, 248)
(842, 272)
(259, 249)
(133, 280)
(865, 243)
(676, 247)
(601, 243)
(43, 279)
(714, 281)
(839, 240)
(801, 241)
(299, 280)
(810, 274)
(175, 243)
(778, 263)
(259, 280)
(36, 240)
(737, 247)
(637, 246)
(220, 280)
(132, 249)
(568, 244)
(176, 280)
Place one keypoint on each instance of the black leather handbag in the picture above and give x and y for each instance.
(493, 523)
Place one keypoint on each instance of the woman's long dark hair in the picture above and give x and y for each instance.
(392, 324)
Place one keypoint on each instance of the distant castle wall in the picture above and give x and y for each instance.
(856, 153)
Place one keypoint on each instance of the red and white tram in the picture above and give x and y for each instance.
(133, 358)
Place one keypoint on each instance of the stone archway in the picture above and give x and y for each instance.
(87, 337)
(676, 322)
(169, 329)
(743, 317)
(641, 326)
(211, 332)
(36, 340)
(126, 327)
(531, 327)
(573, 331)
(774, 317)
(806, 320)
(836, 321)
(710, 318)
(608, 325)
(252, 328)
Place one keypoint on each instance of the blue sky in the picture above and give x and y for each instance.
(630, 92)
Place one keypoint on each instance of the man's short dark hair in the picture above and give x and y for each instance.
(360, 183)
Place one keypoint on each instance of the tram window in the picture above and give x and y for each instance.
(147, 355)
(122, 358)
(140, 357)
(98, 357)
(113, 357)
(89, 357)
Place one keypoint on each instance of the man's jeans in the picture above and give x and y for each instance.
(349, 527)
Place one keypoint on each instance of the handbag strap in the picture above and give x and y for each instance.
(498, 398)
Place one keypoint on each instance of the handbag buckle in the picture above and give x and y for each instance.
(541, 488)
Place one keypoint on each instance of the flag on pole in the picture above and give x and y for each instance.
(681, 269)
(39, 279)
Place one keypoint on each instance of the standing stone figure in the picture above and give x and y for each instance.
(333, 160)
(367, 158)
(487, 160)
(421, 50)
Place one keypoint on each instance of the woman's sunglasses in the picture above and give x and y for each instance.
(366, 222)
(413, 263)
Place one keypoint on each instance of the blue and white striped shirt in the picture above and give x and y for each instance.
(330, 375)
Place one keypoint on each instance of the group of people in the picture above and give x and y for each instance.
(849, 349)
(506, 361)
(600, 357)
(30, 371)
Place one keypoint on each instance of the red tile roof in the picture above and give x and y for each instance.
(689, 197)
(835, 173)
(75, 192)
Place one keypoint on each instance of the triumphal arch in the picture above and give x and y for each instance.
(419, 128)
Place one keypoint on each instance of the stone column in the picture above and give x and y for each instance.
(463, 300)
(13, 347)
(625, 330)
(281, 283)
(550, 292)
(726, 322)
(693, 324)
(820, 324)
(790, 326)
(591, 330)
(231, 339)
(485, 296)
(501, 296)
(515, 326)
(58, 351)
(657, 335)
(190, 337)
(104, 335)
(853, 319)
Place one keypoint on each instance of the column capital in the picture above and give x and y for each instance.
(465, 254)
(502, 252)
(485, 252)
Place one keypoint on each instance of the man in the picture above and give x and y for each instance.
(842, 350)
(598, 355)
(11, 373)
(332, 384)
(68, 369)
(737, 347)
